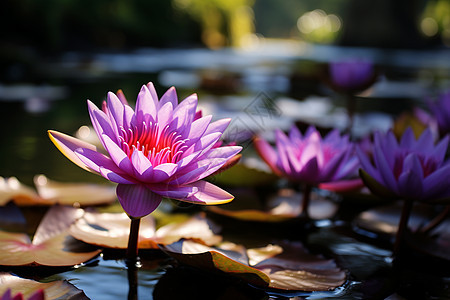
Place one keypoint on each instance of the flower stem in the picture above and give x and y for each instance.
(351, 109)
(436, 221)
(132, 250)
(306, 200)
(402, 227)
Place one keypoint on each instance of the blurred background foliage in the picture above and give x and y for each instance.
(60, 25)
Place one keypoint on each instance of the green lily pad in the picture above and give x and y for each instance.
(51, 246)
(56, 290)
(287, 266)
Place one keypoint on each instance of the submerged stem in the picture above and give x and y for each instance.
(402, 227)
(306, 200)
(351, 109)
(132, 273)
(131, 257)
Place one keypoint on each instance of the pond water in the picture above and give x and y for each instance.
(228, 83)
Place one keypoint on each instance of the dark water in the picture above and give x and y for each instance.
(228, 82)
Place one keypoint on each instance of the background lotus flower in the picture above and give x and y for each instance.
(309, 159)
(158, 150)
(441, 111)
(351, 75)
(409, 168)
(38, 295)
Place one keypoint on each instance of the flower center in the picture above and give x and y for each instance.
(428, 164)
(159, 146)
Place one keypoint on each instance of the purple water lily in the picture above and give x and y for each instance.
(162, 149)
(309, 159)
(409, 168)
(38, 295)
(351, 75)
(441, 111)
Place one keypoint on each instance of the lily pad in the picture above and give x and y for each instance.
(12, 189)
(248, 173)
(383, 221)
(111, 230)
(287, 266)
(436, 243)
(49, 192)
(77, 194)
(56, 290)
(284, 206)
(51, 245)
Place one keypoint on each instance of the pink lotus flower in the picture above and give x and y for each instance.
(409, 168)
(159, 150)
(309, 158)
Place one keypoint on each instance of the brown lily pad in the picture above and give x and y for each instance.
(286, 205)
(77, 194)
(51, 245)
(291, 267)
(287, 266)
(12, 189)
(248, 173)
(49, 192)
(111, 230)
(384, 220)
(56, 290)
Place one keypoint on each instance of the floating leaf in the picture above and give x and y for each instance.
(245, 173)
(57, 290)
(197, 228)
(51, 245)
(286, 267)
(215, 260)
(50, 192)
(77, 194)
(12, 189)
(291, 267)
(384, 220)
(436, 243)
(282, 207)
(112, 230)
